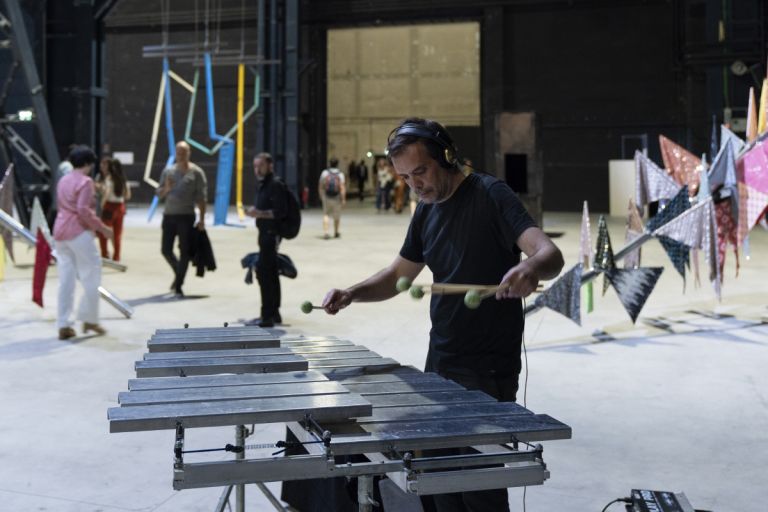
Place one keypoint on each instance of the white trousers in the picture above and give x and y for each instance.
(78, 259)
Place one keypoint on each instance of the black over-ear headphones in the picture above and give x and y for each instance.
(448, 158)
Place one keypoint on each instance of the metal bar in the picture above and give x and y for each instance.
(183, 367)
(274, 469)
(271, 497)
(223, 499)
(430, 398)
(228, 393)
(516, 475)
(451, 433)
(191, 330)
(427, 413)
(202, 344)
(307, 352)
(237, 412)
(116, 265)
(213, 335)
(210, 381)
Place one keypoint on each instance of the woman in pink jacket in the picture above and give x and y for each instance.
(76, 254)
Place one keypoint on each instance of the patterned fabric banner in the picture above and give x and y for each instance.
(585, 256)
(713, 145)
(688, 227)
(722, 174)
(696, 228)
(37, 220)
(6, 204)
(680, 163)
(634, 230)
(728, 137)
(634, 286)
(675, 207)
(651, 181)
(604, 252)
(585, 241)
(678, 253)
(564, 295)
(762, 108)
(751, 116)
(756, 167)
(42, 262)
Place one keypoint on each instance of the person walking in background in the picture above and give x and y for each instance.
(76, 254)
(270, 209)
(333, 194)
(384, 182)
(114, 193)
(361, 173)
(182, 186)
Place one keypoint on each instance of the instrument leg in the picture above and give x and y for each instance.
(240, 488)
(365, 501)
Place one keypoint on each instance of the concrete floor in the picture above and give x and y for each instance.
(683, 408)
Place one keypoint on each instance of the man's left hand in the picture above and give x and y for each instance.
(519, 281)
(200, 225)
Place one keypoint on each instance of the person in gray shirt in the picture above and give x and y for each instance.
(182, 187)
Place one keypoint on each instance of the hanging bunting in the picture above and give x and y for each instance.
(585, 256)
(752, 171)
(688, 227)
(696, 228)
(728, 137)
(704, 187)
(680, 163)
(652, 183)
(564, 295)
(713, 145)
(672, 209)
(727, 232)
(635, 230)
(677, 252)
(751, 116)
(6, 204)
(634, 286)
(722, 178)
(42, 262)
(762, 108)
(37, 221)
(604, 252)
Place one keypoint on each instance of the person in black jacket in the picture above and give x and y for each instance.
(270, 208)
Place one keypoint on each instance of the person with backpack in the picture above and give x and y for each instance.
(333, 195)
(270, 211)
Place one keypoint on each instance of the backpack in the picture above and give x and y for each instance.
(288, 227)
(332, 184)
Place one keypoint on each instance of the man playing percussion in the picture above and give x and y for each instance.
(467, 229)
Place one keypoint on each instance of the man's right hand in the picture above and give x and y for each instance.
(336, 300)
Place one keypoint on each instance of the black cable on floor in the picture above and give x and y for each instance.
(617, 500)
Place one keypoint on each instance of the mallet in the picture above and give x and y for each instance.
(307, 307)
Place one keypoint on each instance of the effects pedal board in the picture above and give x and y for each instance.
(659, 501)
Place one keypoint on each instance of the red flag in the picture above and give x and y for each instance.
(42, 262)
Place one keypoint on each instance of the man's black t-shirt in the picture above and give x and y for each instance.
(471, 238)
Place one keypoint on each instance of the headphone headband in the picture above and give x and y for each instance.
(418, 130)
